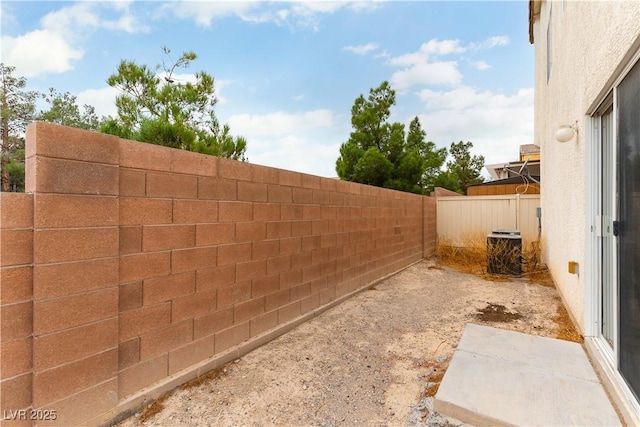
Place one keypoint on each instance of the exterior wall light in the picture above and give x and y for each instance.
(566, 132)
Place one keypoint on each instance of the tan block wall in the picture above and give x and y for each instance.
(133, 267)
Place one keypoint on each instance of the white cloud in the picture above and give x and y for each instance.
(280, 123)
(307, 141)
(103, 100)
(39, 52)
(496, 41)
(362, 49)
(298, 98)
(293, 14)
(433, 47)
(497, 124)
(480, 65)
(427, 73)
(55, 46)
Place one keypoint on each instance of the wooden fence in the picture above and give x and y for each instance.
(465, 219)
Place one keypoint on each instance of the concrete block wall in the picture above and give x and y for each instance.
(136, 267)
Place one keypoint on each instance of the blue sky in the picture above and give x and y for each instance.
(287, 73)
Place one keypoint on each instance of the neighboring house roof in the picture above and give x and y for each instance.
(529, 149)
(511, 180)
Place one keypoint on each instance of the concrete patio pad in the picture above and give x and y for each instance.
(500, 377)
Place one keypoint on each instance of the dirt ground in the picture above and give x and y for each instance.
(375, 359)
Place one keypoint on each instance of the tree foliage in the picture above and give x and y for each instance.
(17, 109)
(379, 153)
(463, 170)
(160, 107)
(64, 110)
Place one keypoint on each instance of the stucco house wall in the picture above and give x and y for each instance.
(578, 48)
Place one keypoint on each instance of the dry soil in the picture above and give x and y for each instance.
(376, 359)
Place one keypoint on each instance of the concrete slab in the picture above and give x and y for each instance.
(499, 377)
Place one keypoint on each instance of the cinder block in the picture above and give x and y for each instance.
(16, 284)
(44, 140)
(288, 312)
(329, 212)
(72, 177)
(328, 184)
(59, 245)
(16, 247)
(264, 174)
(327, 295)
(60, 382)
(137, 210)
(67, 312)
(265, 249)
(128, 353)
(141, 155)
(234, 169)
(73, 344)
(311, 181)
(263, 323)
(81, 407)
(166, 237)
(195, 211)
(232, 336)
(16, 357)
(56, 280)
(327, 240)
(235, 211)
(194, 305)
(265, 286)
(252, 191)
(311, 272)
(190, 354)
(211, 323)
(173, 185)
(16, 392)
(193, 259)
(212, 278)
(215, 234)
(234, 253)
(217, 188)
(130, 240)
(318, 285)
(289, 279)
(69, 211)
(132, 182)
(276, 300)
(137, 322)
(319, 255)
(301, 260)
(311, 243)
(278, 229)
(336, 199)
(142, 266)
(321, 197)
(17, 321)
(277, 264)
(161, 341)
(320, 226)
(311, 212)
(280, 194)
(302, 195)
(248, 310)
(166, 288)
(251, 270)
(292, 212)
(250, 231)
(289, 178)
(141, 375)
(309, 303)
(16, 210)
(129, 296)
(266, 211)
(301, 291)
(231, 295)
(194, 163)
(291, 245)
